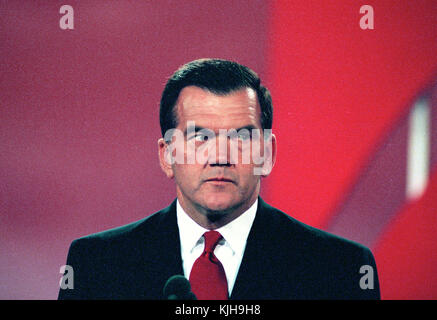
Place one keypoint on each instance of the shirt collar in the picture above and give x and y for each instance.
(235, 232)
(189, 231)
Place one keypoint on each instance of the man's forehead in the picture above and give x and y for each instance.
(197, 103)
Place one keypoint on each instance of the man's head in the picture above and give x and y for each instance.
(215, 105)
(217, 76)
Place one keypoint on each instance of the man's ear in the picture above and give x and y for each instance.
(269, 162)
(165, 158)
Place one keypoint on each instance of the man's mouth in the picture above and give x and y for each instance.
(219, 180)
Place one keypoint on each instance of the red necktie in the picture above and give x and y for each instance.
(207, 277)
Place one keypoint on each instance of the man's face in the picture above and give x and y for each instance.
(219, 182)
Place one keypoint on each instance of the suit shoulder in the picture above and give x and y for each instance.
(144, 227)
(296, 230)
(327, 266)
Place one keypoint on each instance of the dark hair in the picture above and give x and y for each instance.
(217, 76)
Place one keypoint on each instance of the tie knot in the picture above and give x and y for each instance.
(211, 240)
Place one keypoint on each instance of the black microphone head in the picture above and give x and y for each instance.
(178, 287)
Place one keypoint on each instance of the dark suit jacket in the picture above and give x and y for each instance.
(284, 259)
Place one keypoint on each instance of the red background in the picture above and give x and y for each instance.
(79, 119)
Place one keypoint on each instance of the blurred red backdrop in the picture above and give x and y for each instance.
(79, 121)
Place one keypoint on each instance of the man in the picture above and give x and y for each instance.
(217, 144)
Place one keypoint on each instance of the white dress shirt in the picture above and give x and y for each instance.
(229, 250)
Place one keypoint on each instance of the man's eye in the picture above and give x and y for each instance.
(243, 136)
(199, 137)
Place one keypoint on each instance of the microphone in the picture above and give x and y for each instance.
(178, 287)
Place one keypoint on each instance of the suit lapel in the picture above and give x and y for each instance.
(163, 254)
(275, 260)
(170, 248)
(249, 282)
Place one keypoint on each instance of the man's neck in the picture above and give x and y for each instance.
(210, 219)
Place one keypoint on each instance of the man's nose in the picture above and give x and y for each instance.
(221, 156)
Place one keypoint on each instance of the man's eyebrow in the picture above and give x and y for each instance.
(249, 127)
(195, 129)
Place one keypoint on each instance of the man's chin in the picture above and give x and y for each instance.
(219, 205)
(218, 208)
(221, 212)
